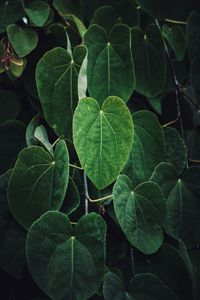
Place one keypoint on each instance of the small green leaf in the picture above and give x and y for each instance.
(38, 11)
(41, 136)
(109, 57)
(65, 266)
(148, 147)
(140, 212)
(149, 61)
(23, 40)
(38, 183)
(58, 71)
(102, 138)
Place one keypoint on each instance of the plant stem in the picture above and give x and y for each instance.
(76, 167)
(100, 199)
(86, 192)
(176, 21)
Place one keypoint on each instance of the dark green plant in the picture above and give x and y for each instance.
(100, 150)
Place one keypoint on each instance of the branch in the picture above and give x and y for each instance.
(86, 192)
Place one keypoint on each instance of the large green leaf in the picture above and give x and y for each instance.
(176, 37)
(105, 17)
(183, 208)
(148, 147)
(10, 12)
(193, 34)
(102, 138)
(59, 71)
(109, 57)
(157, 8)
(149, 61)
(140, 212)
(64, 265)
(38, 183)
(12, 236)
(12, 133)
(38, 11)
(23, 40)
(175, 149)
(147, 286)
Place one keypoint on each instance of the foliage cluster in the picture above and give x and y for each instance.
(100, 149)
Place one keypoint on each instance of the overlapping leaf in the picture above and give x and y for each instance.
(58, 71)
(38, 183)
(102, 138)
(109, 57)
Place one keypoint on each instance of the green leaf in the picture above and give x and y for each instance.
(149, 61)
(176, 38)
(12, 236)
(64, 266)
(23, 40)
(30, 138)
(10, 12)
(109, 57)
(12, 133)
(149, 287)
(38, 183)
(10, 105)
(175, 149)
(195, 78)
(102, 138)
(140, 212)
(37, 11)
(113, 287)
(193, 34)
(59, 71)
(148, 147)
(183, 208)
(157, 8)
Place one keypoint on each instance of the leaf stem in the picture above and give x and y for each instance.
(100, 199)
(86, 192)
(76, 167)
(176, 21)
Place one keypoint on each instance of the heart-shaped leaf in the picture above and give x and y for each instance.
(38, 183)
(23, 40)
(65, 266)
(149, 61)
(102, 138)
(38, 11)
(109, 57)
(140, 212)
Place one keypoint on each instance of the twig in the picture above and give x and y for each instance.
(76, 167)
(100, 199)
(176, 21)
